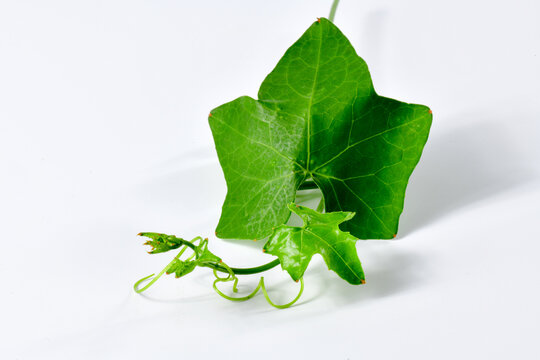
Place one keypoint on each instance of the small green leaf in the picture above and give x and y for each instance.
(161, 242)
(295, 246)
(181, 268)
(317, 117)
(205, 255)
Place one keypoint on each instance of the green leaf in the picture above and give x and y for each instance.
(181, 268)
(320, 234)
(161, 242)
(204, 255)
(318, 117)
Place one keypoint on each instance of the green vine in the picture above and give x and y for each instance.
(204, 258)
(333, 10)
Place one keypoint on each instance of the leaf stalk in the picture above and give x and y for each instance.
(333, 10)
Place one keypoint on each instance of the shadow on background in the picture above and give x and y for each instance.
(389, 271)
(374, 29)
(458, 169)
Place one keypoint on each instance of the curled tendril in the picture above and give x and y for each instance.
(284, 306)
(231, 277)
(198, 238)
(156, 278)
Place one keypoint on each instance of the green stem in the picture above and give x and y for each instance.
(245, 271)
(320, 207)
(237, 271)
(333, 10)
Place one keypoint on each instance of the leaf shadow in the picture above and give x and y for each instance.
(183, 187)
(172, 290)
(180, 298)
(389, 271)
(458, 169)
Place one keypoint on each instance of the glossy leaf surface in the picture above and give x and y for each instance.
(320, 234)
(318, 117)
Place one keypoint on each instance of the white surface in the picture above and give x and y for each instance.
(103, 129)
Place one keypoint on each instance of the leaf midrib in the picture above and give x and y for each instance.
(310, 104)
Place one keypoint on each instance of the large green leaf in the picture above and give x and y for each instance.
(318, 117)
(295, 246)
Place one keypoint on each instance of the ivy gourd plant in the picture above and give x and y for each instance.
(317, 123)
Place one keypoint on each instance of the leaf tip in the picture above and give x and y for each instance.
(210, 115)
(431, 112)
(318, 21)
(394, 236)
(362, 281)
(140, 234)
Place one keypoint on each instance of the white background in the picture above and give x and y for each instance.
(103, 126)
